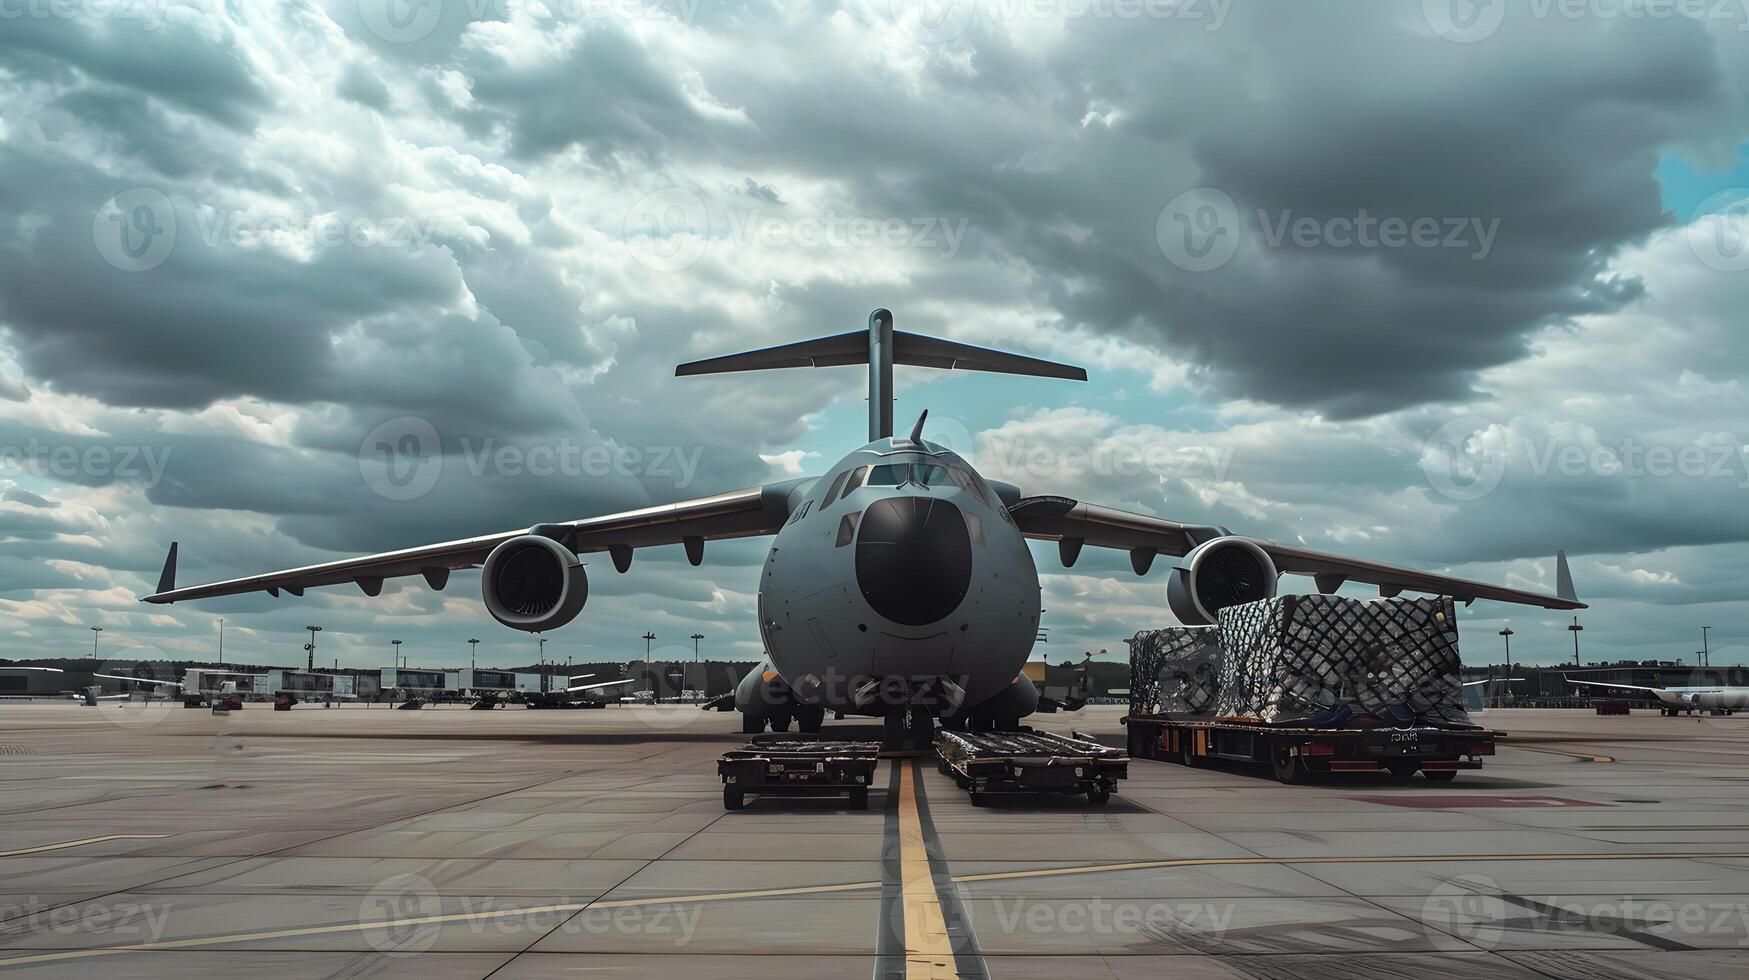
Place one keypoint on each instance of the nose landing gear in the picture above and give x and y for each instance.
(908, 729)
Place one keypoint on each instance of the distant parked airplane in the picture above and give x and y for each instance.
(1720, 700)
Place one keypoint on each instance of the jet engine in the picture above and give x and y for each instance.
(534, 584)
(1216, 574)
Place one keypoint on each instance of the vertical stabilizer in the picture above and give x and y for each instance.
(880, 375)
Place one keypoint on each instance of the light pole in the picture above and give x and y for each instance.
(1706, 654)
(1506, 634)
(94, 631)
(311, 649)
(1575, 629)
(221, 641)
(699, 682)
(648, 638)
(473, 649)
(397, 646)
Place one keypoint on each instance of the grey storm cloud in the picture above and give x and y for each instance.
(517, 138)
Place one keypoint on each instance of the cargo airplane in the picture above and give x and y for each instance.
(899, 583)
(1672, 701)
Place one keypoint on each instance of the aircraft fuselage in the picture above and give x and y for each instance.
(899, 578)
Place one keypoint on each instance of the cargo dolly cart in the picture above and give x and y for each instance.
(1299, 754)
(1030, 762)
(785, 765)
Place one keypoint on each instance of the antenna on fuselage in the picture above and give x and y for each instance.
(917, 430)
(881, 347)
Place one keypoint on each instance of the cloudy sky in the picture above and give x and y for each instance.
(1448, 283)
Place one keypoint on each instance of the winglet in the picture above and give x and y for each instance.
(1564, 578)
(167, 579)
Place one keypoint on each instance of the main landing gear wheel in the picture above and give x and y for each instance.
(1288, 766)
(734, 798)
(1099, 795)
(752, 724)
(809, 719)
(780, 721)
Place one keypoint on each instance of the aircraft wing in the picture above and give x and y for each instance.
(1073, 523)
(1619, 687)
(742, 513)
(595, 687)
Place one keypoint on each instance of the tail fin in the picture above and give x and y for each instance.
(881, 347)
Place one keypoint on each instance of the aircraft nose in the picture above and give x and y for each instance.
(913, 559)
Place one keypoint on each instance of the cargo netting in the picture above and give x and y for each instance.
(1175, 671)
(1306, 656)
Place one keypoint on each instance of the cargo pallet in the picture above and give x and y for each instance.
(1298, 755)
(1030, 762)
(783, 765)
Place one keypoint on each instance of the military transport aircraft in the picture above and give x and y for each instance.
(898, 584)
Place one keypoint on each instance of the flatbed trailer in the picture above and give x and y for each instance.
(1030, 762)
(1297, 755)
(788, 766)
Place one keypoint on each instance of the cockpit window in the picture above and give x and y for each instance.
(964, 479)
(832, 492)
(899, 474)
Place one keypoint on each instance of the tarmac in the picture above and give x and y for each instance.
(158, 841)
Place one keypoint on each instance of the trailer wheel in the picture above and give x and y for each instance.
(1187, 751)
(734, 798)
(1099, 795)
(1402, 772)
(1288, 767)
(1440, 775)
(780, 721)
(859, 798)
(979, 799)
(809, 719)
(752, 724)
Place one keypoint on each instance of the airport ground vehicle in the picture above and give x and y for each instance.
(1026, 761)
(780, 765)
(1299, 754)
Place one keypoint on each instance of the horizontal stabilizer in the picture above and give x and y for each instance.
(845, 348)
(910, 349)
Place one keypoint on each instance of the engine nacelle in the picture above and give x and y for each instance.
(534, 583)
(1216, 574)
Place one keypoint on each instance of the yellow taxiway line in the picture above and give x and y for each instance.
(928, 953)
(63, 845)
